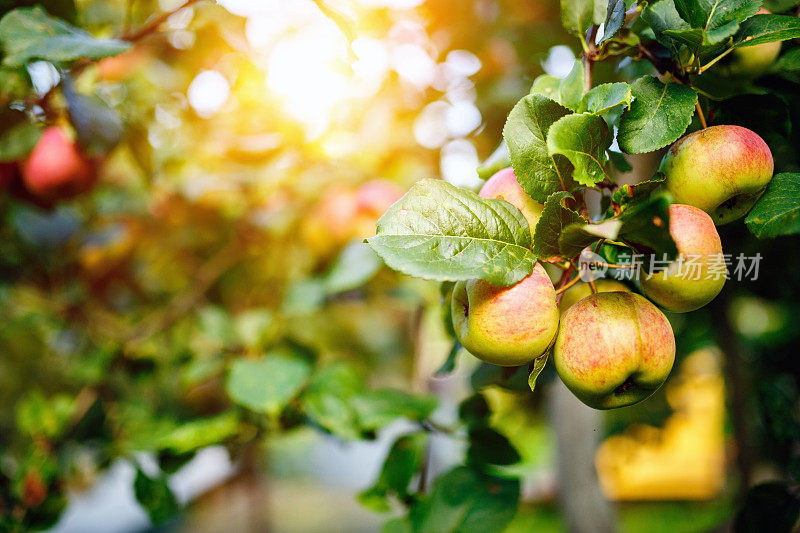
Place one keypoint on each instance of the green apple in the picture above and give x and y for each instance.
(506, 326)
(722, 170)
(613, 349)
(753, 61)
(696, 276)
(504, 186)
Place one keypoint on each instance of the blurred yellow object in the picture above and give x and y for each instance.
(684, 460)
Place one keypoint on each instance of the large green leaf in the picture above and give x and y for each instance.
(659, 114)
(266, 385)
(327, 399)
(539, 173)
(767, 28)
(716, 19)
(27, 34)
(465, 500)
(155, 496)
(778, 211)
(439, 231)
(488, 446)
(582, 138)
(555, 217)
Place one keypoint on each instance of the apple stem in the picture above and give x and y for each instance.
(700, 114)
(592, 286)
(569, 285)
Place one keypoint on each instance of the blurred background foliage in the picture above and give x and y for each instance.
(205, 333)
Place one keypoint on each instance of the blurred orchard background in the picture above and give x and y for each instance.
(202, 343)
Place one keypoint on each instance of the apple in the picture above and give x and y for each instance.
(613, 349)
(689, 282)
(506, 326)
(56, 168)
(722, 170)
(580, 291)
(753, 61)
(504, 186)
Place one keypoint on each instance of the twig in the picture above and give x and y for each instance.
(154, 24)
(569, 285)
(700, 114)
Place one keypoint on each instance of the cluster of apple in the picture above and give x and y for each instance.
(57, 168)
(614, 348)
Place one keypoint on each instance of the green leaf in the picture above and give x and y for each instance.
(778, 211)
(582, 138)
(575, 237)
(474, 410)
(662, 17)
(647, 223)
(487, 446)
(717, 19)
(465, 500)
(606, 100)
(619, 161)
(790, 61)
(266, 385)
(578, 15)
(155, 496)
(539, 173)
(200, 433)
(438, 231)
(327, 399)
(450, 363)
(18, 135)
(567, 91)
(98, 126)
(404, 460)
(497, 161)
(637, 192)
(538, 365)
(27, 34)
(615, 19)
(379, 407)
(355, 265)
(555, 217)
(15, 83)
(659, 114)
(768, 507)
(762, 29)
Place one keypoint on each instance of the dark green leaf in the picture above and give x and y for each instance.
(28, 34)
(716, 19)
(778, 211)
(634, 193)
(768, 507)
(450, 363)
(662, 17)
(575, 237)
(155, 496)
(647, 223)
(98, 126)
(555, 217)
(487, 446)
(615, 18)
(659, 114)
(438, 231)
(403, 461)
(266, 385)
(525, 133)
(464, 501)
(619, 161)
(474, 410)
(790, 61)
(766, 29)
(583, 139)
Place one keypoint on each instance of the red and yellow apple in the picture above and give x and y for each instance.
(613, 349)
(56, 168)
(506, 326)
(504, 186)
(722, 170)
(696, 276)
